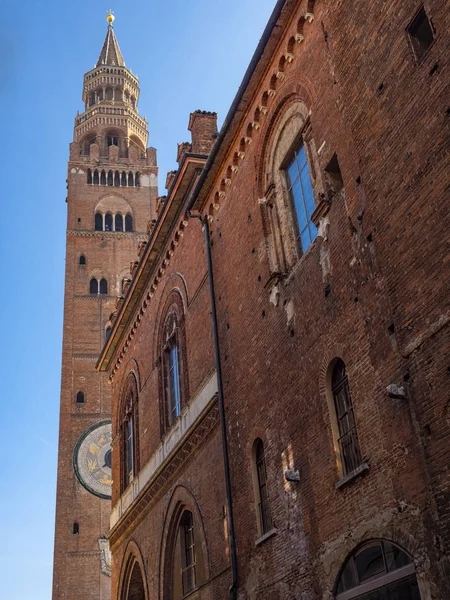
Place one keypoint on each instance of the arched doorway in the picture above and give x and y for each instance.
(134, 588)
(378, 570)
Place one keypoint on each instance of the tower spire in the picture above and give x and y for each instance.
(110, 54)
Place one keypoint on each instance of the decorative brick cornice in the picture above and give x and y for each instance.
(109, 234)
(162, 479)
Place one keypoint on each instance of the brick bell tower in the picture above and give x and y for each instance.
(112, 190)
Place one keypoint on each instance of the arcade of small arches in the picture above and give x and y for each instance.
(114, 178)
(113, 222)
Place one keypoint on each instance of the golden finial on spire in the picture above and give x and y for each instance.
(110, 17)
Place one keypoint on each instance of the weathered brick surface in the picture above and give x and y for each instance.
(372, 289)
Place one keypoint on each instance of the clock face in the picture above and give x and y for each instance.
(92, 459)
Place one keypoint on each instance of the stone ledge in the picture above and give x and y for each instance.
(266, 536)
(360, 470)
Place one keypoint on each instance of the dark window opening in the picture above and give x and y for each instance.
(128, 223)
(93, 286)
(333, 176)
(82, 260)
(137, 180)
(75, 529)
(108, 222)
(118, 222)
(263, 496)
(187, 552)
(95, 177)
(80, 397)
(110, 178)
(103, 286)
(117, 179)
(112, 140)
(107, 333)
(102, 178)
(421, 33)
(130, 179)
(98, 222)
(89, 176)
(129, 452)
(123, 181)
(348, 436)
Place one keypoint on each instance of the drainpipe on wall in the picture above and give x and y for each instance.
(223, 428)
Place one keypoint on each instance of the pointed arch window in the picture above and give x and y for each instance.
(110, 178)
(80, 397)
(82, 260)
(89, 176)
(378, 570)
(129, 441)
(123, 179)
(102, 178)
(187, 552)
(117, 179)
(95, 177)
(137, 180)
(130, 179)
(128, 223)
(173, 372)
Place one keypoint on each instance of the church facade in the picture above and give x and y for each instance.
(278, 356)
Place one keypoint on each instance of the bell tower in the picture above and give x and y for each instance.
(112, 191)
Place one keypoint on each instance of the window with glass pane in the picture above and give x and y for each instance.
(128, 452)
(264, 509)
(172, 380)
(188, 552)
(301, 191)
(348, 436)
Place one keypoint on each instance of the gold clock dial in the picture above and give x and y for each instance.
(92, 459)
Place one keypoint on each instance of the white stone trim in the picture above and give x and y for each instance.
(169, 444)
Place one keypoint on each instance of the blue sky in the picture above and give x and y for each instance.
(188, 55)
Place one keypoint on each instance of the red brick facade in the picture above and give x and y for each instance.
(342, 82)
(106, 256)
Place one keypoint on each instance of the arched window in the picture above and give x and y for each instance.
(98, 222)
(123, 179)
(133, 584)
(107, 333)
(89, 176)
(261, 493)
(80, 397)
(117, 179)
(129, 441)
(130, 179)
(75, 529)
(137, 180)
(187, 552)
(102, 178)
(128, 223)
(349, 449)
(118, 222)
(112, 140)
(378, 570)
(93, 286)
(103, 286)
(95, 180)
(110, 178)
(82, 260)
(302, 196)
(171, 369)
(108, 222)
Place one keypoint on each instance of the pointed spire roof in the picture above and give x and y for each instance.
(110, 54)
